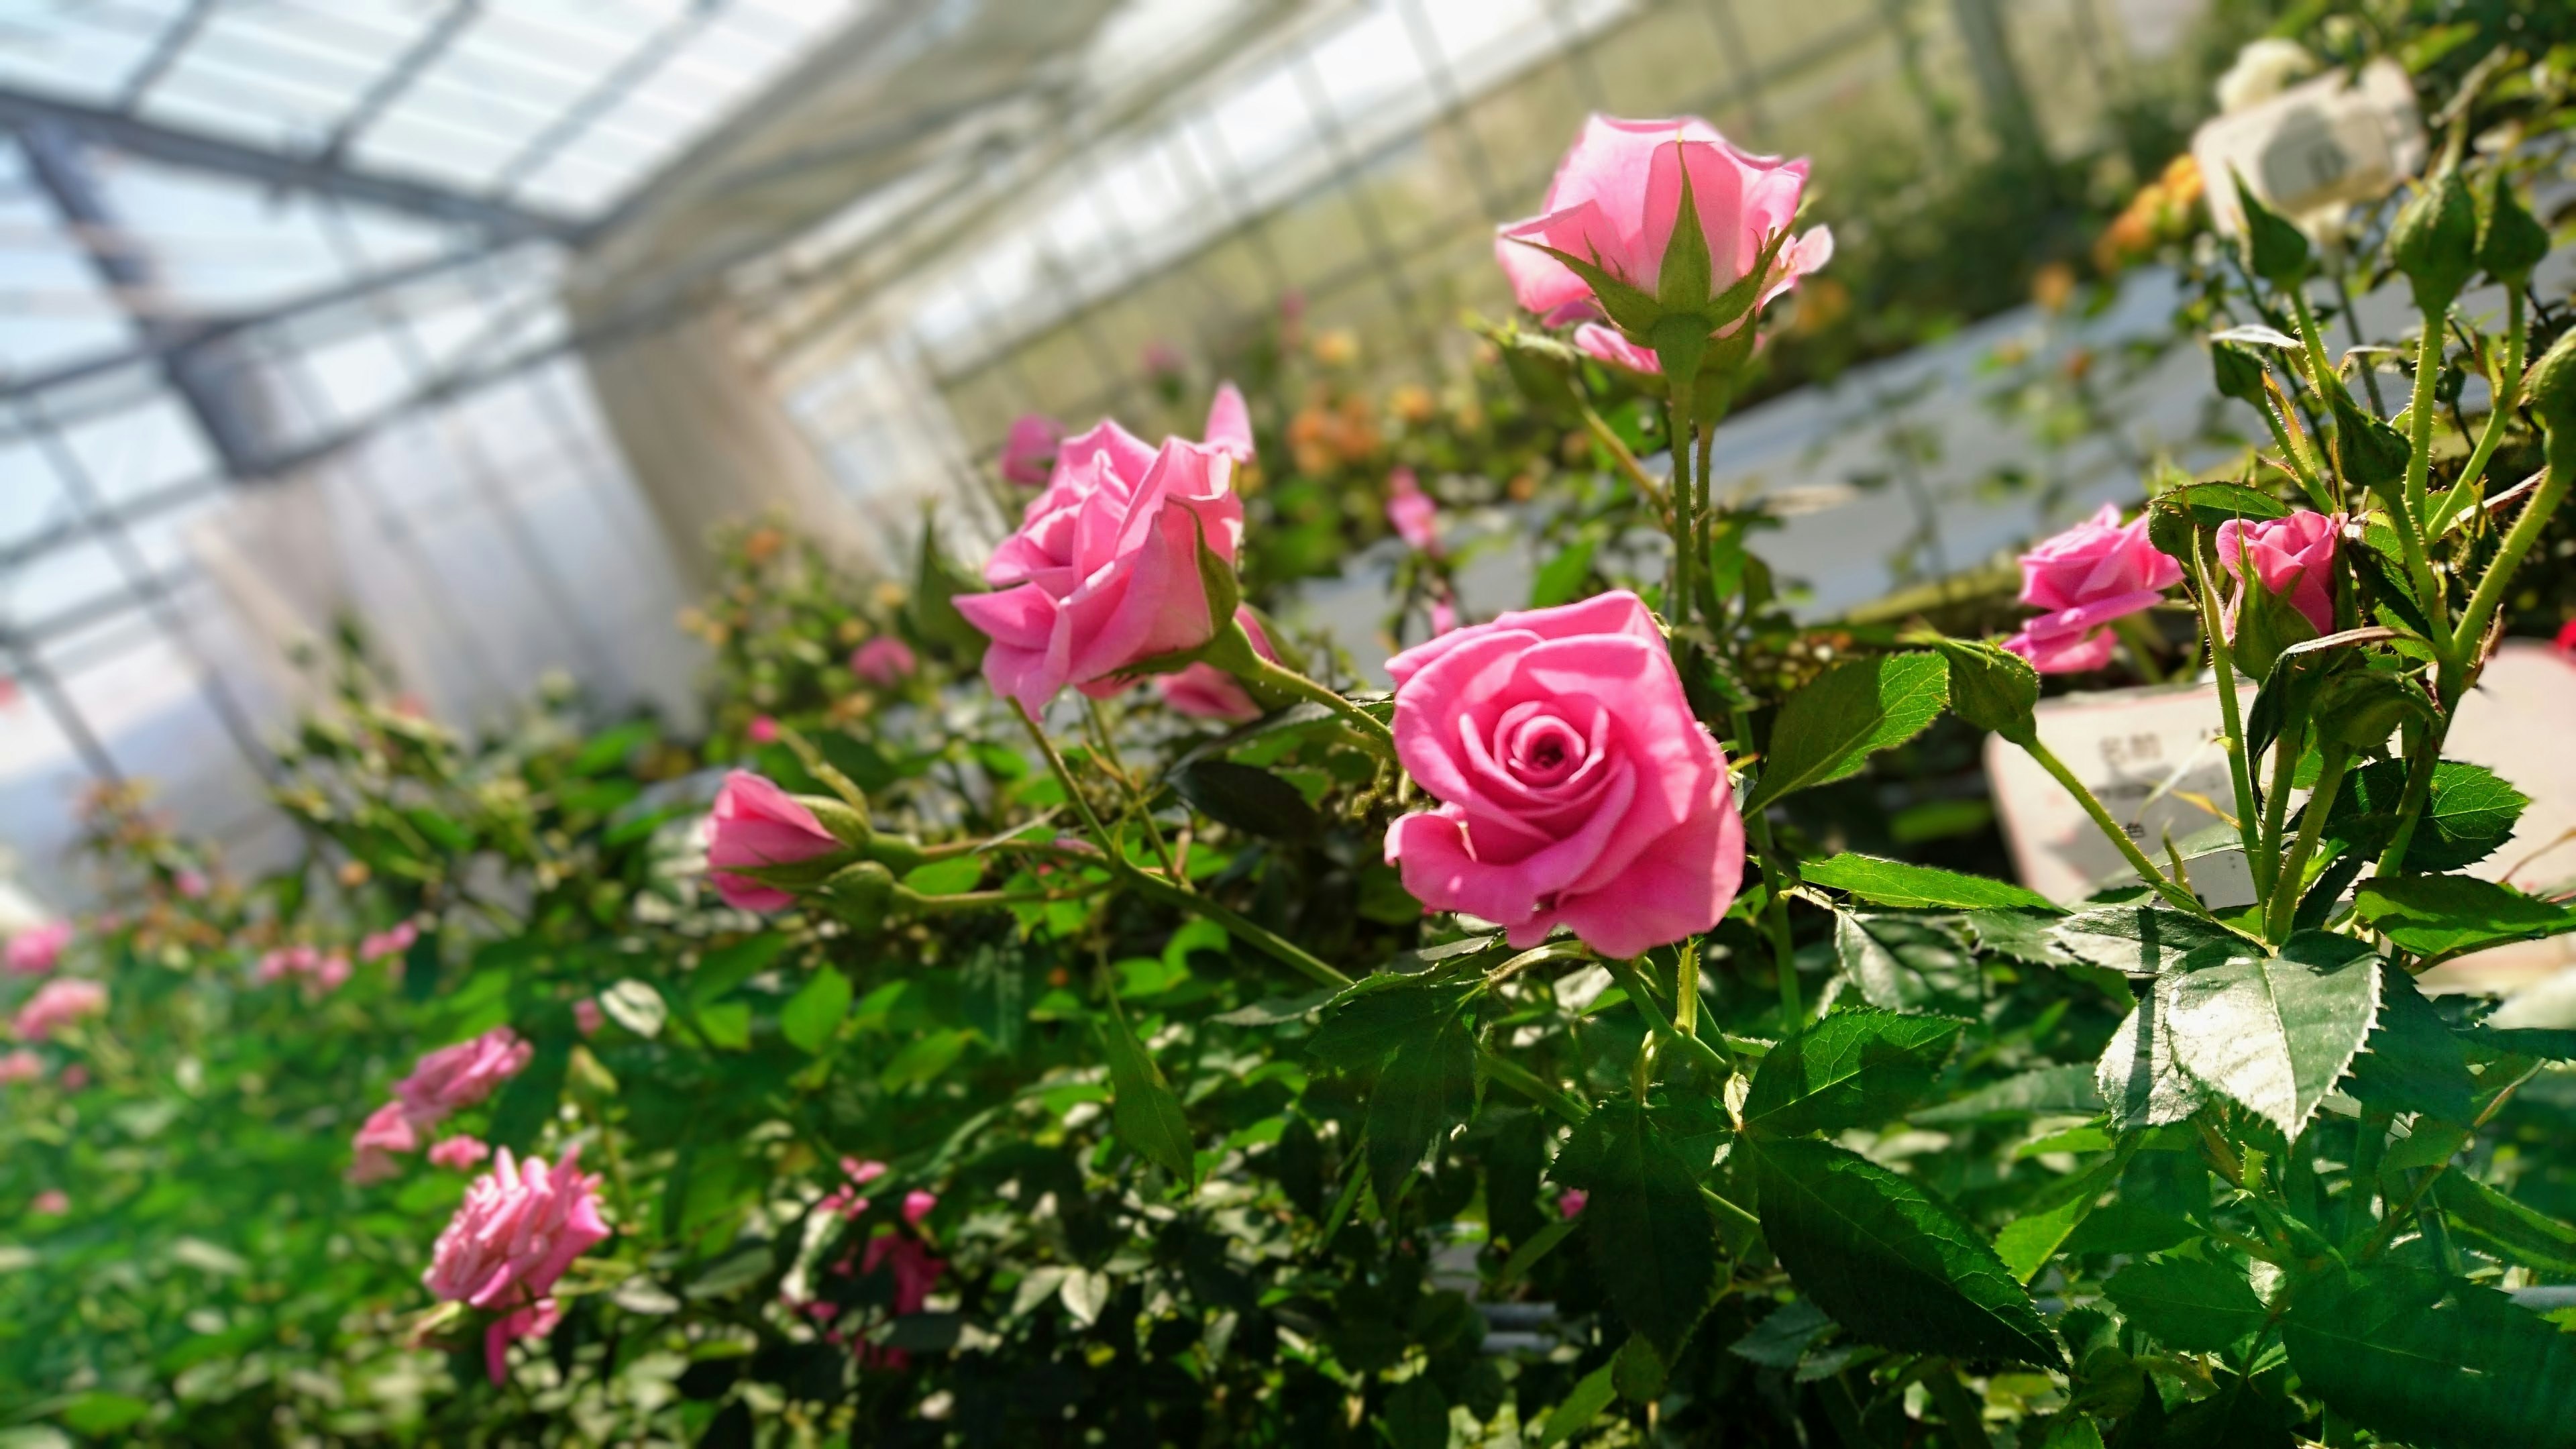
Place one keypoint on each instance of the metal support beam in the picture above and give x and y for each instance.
(172, 146)
(165, 53)
(388, 88)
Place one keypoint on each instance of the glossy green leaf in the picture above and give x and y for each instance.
(1855, 1068)
(1992, 688)
(1647, 1225)
(2138, 1078)
(1855, 709)
(2047, 1221)
(1426, 1088)
(1892, 1264)
(2142, 940)
(2507, 1229)
(1251, 800)
(1907, 963)
(727, 1024)
(726, 967)
(2414, 1061)
(815, 1011)
(2433, 1364)
(2066, 1090)
(1900, 883)
(2275, 1033)
(1369, 1020)
(2444, 915)
(1148, 1115)
(1593, 1393)
(2187, 1303)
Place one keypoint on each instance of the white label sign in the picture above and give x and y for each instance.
(2315, 148)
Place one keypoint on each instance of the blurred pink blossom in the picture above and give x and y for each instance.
(53, 1202)
(1413, 512)
(1603, 344)
(461, 1075)
(763, 730)
(21, 1065)
(74, 1077)
(884, 661)
(519, 1228)
(1571, 1201)
(1028, 450)
(192, 884)
(380, 944)
(587, 1016)
(460, 1152)
(385, 1132)
(57, 1004)
(33, 951)
(917, 1205)
(1207, 692)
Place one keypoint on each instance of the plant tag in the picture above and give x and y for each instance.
(2315, 148)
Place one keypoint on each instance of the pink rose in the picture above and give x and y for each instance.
(587, 1017)
(57, 1004)
(534, 1321)
(1207, 692)
(1606, 344)
(193, 885)
(456, 1077)
(1579, 789)
(331, 973)
(1103, 572)
(53, 1202)
(915, 1273)
(864, 1173)
(1028, 449)
(381, 944)
(2292, 556)
(755, 823)
(1571, 1201)
(884, 661)
(1229, 423)
(519, 1228)
(386, 1131)
(459, 1152)
(1444, 616)
(917, 1205)
(33, 951)
(279, 964)
(2091, 574)
(21, 1065)
(763, 730)
(1617, 196)
(845, 1199)
(75, 1077)
(1415, 516)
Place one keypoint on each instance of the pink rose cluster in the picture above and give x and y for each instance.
(324, 973)
(519, 1228)
(754, 823)
(1102, 573)
(1616, 201)
(57, 1004)
(377, 945)
(35, 950)
(884, 661)
(1577, 787)
(442, 1083)
(2093, 573)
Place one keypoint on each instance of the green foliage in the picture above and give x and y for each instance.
(1832, 727)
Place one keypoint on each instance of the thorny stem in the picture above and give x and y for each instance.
(1626, 461)
(1521, 1079)
(2507, 394)
(2276, 809)
(2294, 867)
(1685, 502)
(2222, 660)
(1775, 902)
(2129, 851)
(1664, 1027)
(1096, 730)
(1235, 655)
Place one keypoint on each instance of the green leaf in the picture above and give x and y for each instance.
(1888, 1261)
(2436, 1365)
(2072, 1431)
(1647, 1225)
(1853, 1069)
(2503, 1228)
(1639, 1371)
(2138, 1078)
(99, 1414)
(2213, 505)
(2029, 1241)
(727, 967)
(1992, 688)
(949, 877)
(1366, 1022)
(1426, 1088)
(1561, 578)
(727, 1024)
(923, 1059)
(1830, 728)
(1591, 1395)
(609, 748)
(2469, 816)
(935, 618)
(1416, 1416)
(1907, 963)
(2143, 940)
(2413, 1062)
(811, 1015)
(2444, 915)
(2054, 1091)
(2275, 1033)
(528, 1102)
(2187, 1303)
(1148, 1115)
(1920, 887)
(1251, 800)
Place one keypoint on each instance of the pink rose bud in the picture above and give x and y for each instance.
(53, 1202)
(2091, 574)
(1161, 359)
(1103, 571)
(459, 1152)
(917, 1205)
(863, 1173)
(884, 661)
(75, 1077)
(1579, 790)
(192, 884)
(754, 824)
(33, 951)
(1607, 344)
(1229, 423)
(763, 730)
(459, 1076)
(1028, 450)
(587, 1016)
(1617, 196)
(21, 1065)
(1571, 1201)
(331, 972)
(2293, 556)
(1444, 616)
(519, 1228)
(1413, 513)
(394, 942)
(1207, 692)
(57, 1004)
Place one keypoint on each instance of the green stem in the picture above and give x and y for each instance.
(2294, 868)
(1775, 902)
(1626, 461)
(1700, 512)
(2276, 809)
(2352, 324)
(2137, 859)
(1959, 1408)
(2424, 754)
(2302, 466)
(2133, 631)
(1156, 888)
(1233, 653)
(2419, 412)
(1500, 1068)
(1664, 1027)
(2507, 389)
(2240, 771)
(1685, 503)
(2526, 531)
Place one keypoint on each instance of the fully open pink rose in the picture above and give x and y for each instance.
(1605, 344)
(519, 1228)
(456, 1077)
(2091, 574)
(1617, 196)
(2292, 556)
(754, 823)
(1412, 512)
(884, 661)
(1103, 572)
(1207, 692)
(1578, 788)
(58, 1004)
(1028, 449)
(33, 951)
